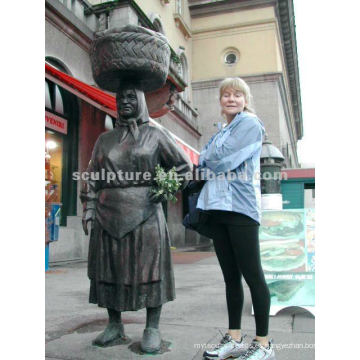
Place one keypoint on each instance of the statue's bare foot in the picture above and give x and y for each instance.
(112, 335)
(151, 340)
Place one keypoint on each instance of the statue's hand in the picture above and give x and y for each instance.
(88, 216)
(156, 198)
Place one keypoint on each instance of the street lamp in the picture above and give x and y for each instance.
(271, 162)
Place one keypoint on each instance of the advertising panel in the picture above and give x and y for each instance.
(287, 248)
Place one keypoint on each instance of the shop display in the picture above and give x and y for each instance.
(287, 248)
(53, 167)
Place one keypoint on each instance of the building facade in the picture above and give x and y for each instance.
(256, 41)
(209, 40)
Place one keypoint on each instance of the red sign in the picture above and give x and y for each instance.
(55, 122)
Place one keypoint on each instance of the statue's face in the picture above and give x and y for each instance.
(127, 103)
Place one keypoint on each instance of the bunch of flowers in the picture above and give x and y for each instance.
(167, 183)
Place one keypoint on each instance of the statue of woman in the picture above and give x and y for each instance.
(129, 264)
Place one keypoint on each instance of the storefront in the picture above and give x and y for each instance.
(298, 188)
(55, 134)
(61, 147)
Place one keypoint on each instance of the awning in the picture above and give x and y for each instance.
(299, 173)
(88, 93)
(104, 101)
(192, 153)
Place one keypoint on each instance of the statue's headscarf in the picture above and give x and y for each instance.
(141, 116)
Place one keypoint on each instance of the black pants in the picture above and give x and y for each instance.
(237, 249)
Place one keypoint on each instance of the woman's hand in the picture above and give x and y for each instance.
(89, 215)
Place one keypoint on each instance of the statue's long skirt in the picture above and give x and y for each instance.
(132, 272)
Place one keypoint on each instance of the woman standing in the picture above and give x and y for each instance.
(129, 263)
(232, 198)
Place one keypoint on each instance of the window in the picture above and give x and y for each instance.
(54, 163)
(230, 59)
(59, 105)
(179, 5)
(53, 98)
(47, 96)
(158, 26)
(57, 64)
(156, 21)
(182, 68)
(183, 73)
(230, 56)
(182, 65)
(179, 19)
(53, 95)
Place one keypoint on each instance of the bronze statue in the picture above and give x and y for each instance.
(130, 263)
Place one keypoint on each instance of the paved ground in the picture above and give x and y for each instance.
(189, 324)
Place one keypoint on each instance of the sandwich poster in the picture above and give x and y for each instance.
(287, 248)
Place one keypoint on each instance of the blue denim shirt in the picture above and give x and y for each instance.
(231, 164)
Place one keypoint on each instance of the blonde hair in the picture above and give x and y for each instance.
(239, 84)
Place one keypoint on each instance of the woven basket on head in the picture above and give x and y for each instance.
(131, 55)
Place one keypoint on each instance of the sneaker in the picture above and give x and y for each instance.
(258, 352)
(228, 348)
